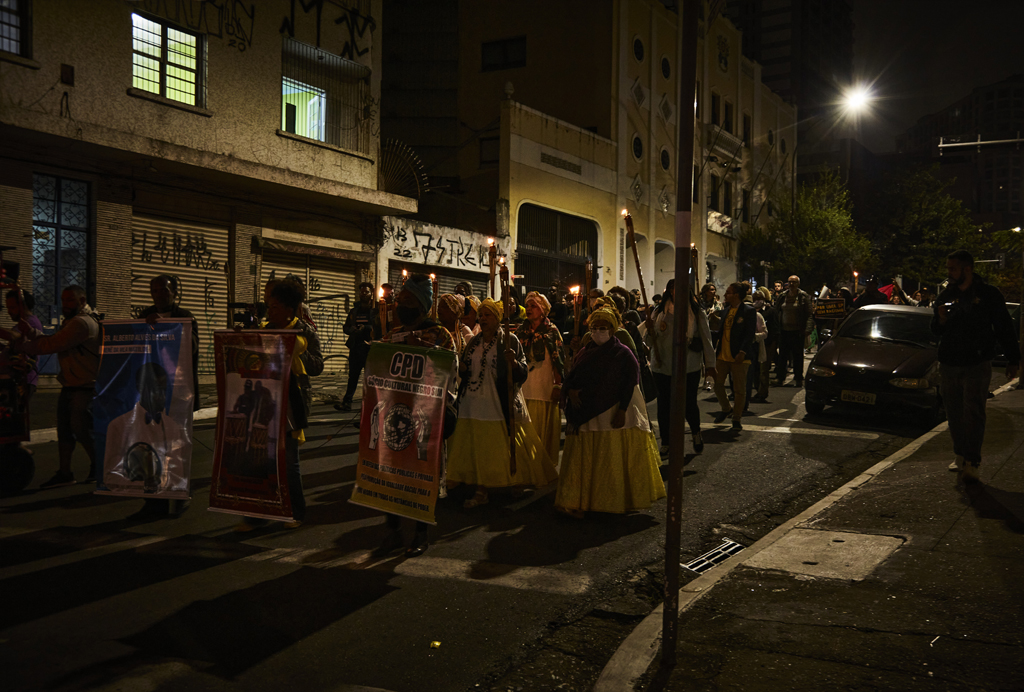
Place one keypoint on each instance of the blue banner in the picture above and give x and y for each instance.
(142, 413)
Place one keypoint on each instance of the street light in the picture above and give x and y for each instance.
(856, 100)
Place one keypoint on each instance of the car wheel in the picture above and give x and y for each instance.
(814, 407)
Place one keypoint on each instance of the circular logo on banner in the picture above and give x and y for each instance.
(398, 427)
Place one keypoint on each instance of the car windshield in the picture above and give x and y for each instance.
(899, 327)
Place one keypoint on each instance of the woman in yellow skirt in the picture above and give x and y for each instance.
(478, 449)
(545, 361)
(610, 462)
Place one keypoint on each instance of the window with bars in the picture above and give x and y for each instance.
(167, 61)
(15, 28)
(60, 241)
(324, 96)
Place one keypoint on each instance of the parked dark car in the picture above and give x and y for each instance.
(882, 357)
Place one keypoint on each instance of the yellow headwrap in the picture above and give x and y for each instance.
(474, 303)
(605, 315)
(493, 307)
(542, 302)
(457, 304)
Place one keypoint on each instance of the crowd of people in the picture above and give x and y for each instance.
(594, 361)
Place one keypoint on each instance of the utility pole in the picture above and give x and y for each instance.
(677, 439)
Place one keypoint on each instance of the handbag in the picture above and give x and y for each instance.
(647, 384)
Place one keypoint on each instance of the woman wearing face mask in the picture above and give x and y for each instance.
(545, 360)
(478, 449)
(610, 462)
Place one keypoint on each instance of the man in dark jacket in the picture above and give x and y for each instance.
(735, 350)
(361, 326)
(794, 312)
(762, 303)
(970, 316)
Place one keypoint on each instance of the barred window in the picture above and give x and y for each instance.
(60, 241)
(167, 61)
(324, 97)
(15, 30)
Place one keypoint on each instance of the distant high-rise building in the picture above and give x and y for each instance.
(805, 48)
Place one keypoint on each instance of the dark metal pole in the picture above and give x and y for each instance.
(677, 438)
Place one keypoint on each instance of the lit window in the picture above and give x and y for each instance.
(322, 96)
(15, 31)
(167, 61)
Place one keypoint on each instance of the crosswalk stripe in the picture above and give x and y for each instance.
(78, 556)
(786, 430)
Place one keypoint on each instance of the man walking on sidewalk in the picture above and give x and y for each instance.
(77, 345)
(970, 316)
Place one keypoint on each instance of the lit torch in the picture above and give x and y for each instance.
(492, 257)
(636, 257)
(382, 306)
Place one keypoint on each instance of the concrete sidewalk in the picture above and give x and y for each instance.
(901, 580)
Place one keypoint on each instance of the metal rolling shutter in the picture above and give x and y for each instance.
(194, 253)
(323, 277)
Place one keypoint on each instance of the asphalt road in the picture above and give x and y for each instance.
(511, 595)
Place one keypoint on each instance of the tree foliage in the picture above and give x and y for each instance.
(914, 223)
(816, 241)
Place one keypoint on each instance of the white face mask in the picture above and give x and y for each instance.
(601, 337)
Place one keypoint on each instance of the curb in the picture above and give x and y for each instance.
(636, 653)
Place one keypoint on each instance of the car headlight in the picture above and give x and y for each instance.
(821, 372)
(910, 382)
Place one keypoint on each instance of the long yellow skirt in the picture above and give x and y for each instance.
(547, 421)
(478, 455)
(610, 471)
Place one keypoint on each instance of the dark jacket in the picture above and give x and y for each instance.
(178, 312)
(362, 325)
(977, 319)
(771, 320)
(875, 297)
(744, 329)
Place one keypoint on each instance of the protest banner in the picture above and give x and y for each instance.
(253, 375)
(142, 413)
(830, 309)
(401, 434)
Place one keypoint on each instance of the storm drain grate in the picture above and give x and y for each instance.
(713, 557)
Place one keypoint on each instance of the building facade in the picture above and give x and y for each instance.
(538, 125)
(207, 141)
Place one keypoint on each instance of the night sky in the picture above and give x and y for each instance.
(924, 54)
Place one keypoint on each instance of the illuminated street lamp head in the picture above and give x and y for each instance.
(857, 99)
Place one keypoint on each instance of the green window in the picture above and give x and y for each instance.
(167, 61)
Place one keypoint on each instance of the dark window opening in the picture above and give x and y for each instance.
(727, 120)
(638, 147)
(727, 199)
(746, 131)
(666, 68)
(716, 108)
(666, 159)
(714, 192)
(505, 54)
(638, 50)
(16, 27)
(490, 150)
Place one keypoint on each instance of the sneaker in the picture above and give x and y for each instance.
(737, 425)
(958, 462)
(61, 478)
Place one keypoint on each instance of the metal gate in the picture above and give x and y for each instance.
(330, 294)
(194, 253)
(552, 248)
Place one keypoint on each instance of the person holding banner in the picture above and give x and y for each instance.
(545, 359)
(415, 328)
(283, 306)
(610, 462)
(163, 289)
(478, 450)
(77, 345)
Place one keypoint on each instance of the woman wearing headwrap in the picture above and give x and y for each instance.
(545, 359)
(469, 314)
(610, 462)
(478, 449)
(449, 313)
(414, 327)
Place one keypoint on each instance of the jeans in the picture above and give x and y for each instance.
(965, 393)
(791, 350)
(291, 460)
(739, 386)
(356, 363)
(74, 425)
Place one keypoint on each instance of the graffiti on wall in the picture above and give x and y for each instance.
(438, 246)
(232, 20)
(359, 27)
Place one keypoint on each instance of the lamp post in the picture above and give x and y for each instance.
(1020, 311)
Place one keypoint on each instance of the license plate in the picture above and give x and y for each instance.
(858, 397)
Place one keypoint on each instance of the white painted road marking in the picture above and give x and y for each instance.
(786, 430)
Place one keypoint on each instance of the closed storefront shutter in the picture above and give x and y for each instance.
(194, 253)
(331, 292)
